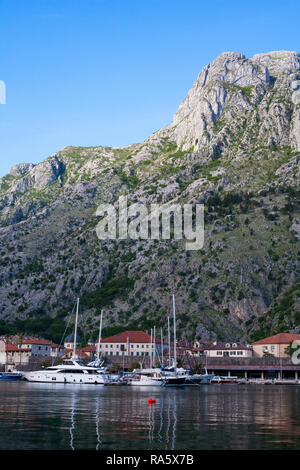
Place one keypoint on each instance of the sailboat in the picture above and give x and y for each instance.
(149, 376)
(155, 376)
(172, 377)
(97, 362)
(70, 372)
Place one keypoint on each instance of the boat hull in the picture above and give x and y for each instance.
(224, 382)
(64, 378)
(174, 381)
(8, 377)
(146, 383)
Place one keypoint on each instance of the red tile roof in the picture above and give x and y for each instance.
(13, 348)
(88, 349)
(133, 337)
(280, 338)
(37, 341)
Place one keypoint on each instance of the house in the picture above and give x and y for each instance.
(56, 350)
(199, 349)
(130, 343)
(11, 354)
(228, 349)
(38, 347)
(88, 352)
(182, 348)
(69, 341)
(274, 345)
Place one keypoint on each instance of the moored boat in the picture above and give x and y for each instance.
(170, 380)
(11, 376)
(224, 380)
(70, 371)
(146, 377)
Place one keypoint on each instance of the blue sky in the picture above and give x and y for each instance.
(111, 72)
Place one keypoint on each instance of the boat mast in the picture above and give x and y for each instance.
(169, 341)
(75, 334)
(175, 358)
(162, 347)
(99, 339)
(151, 350)
(154, 347)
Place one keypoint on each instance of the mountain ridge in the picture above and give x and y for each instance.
(234, 145)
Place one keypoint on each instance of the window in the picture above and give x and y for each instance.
(219, 353)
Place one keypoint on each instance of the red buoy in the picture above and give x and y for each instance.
(151, 401)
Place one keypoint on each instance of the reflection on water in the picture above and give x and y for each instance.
(58, 416)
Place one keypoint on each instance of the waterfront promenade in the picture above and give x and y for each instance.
(264, 368)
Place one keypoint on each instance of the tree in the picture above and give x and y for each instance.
(289, 350)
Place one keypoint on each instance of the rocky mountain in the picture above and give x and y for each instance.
(233, 145)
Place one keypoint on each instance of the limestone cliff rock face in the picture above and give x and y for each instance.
(21, 169)
(47, 172)
(233, 87)
(279, 62)
(34, 176)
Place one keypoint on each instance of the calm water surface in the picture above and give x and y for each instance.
(54, 416)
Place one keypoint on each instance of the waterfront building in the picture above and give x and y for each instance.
(228, 349)
(38, 347)
(69, 341)
(11, 354)
(88, 352)
(56, 350)
(277, 345)
(130, 343)
(199, 349)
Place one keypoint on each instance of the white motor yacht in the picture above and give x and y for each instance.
(70, 371)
